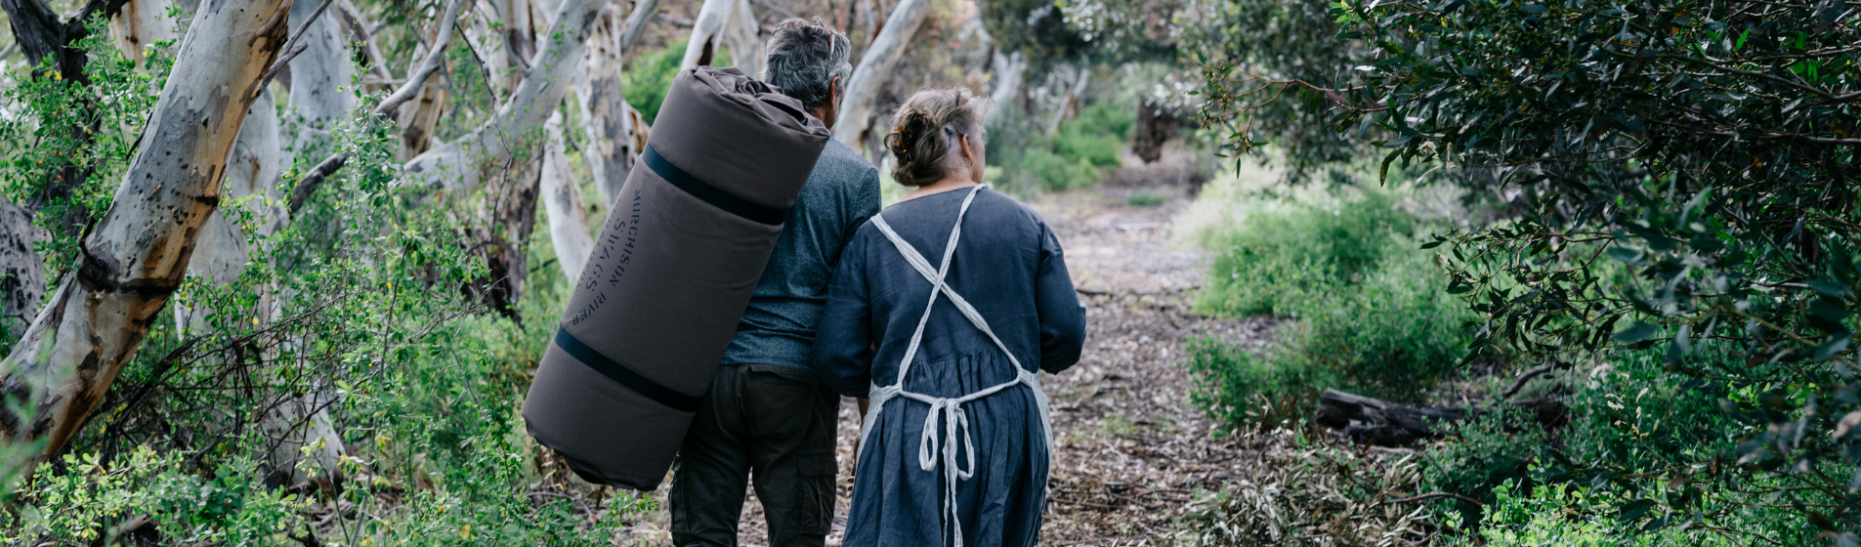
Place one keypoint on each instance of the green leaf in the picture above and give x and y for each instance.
(1832, 347)
(1634, 510)
(1626, 255)
(1635, 332)
(1829, 287)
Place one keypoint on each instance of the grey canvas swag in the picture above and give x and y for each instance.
(674, 267)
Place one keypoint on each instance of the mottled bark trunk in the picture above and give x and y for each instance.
(875, 68)
(562, 199)
(502, 151)
(22, 272)
(220, 251)
(607, 120)
(138, 252)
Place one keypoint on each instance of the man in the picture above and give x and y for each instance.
(766, 413)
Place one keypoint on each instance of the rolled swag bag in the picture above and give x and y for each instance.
(672, 271)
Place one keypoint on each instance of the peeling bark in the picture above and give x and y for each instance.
(608, 122)
(875, 68)
(139, 24)
(220, 251)
(562, 199)
(139, 251)
(435, 58)
(419, 117)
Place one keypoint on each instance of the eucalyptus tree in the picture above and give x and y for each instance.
(138, 252)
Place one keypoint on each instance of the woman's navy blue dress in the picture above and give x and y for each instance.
(1009, 267)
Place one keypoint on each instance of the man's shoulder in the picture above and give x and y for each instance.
(841, 164)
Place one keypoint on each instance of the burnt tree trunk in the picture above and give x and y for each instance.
(1383, 423)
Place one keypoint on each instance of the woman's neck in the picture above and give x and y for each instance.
(945, 185)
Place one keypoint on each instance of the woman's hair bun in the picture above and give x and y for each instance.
(924, 131)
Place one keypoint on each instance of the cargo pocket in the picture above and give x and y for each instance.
(814, 496)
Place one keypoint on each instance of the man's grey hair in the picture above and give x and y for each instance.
(804, 57)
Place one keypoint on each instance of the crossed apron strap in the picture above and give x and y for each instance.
(948, 410)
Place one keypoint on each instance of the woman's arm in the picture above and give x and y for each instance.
(1062, 319)
(843, 342)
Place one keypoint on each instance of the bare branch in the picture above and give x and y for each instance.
(308, 185)
(435, 56)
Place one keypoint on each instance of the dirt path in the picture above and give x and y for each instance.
(1130, 446)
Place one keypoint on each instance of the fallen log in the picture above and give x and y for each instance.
(1383, 423)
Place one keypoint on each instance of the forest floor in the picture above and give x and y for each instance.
(1131, 448)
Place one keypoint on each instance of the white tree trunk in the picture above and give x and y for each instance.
(562, 198)
(317, 76)
(220, 251)
(419, 117)
(1069, 101)
(723, 23)
(140, 24)
(137, 253)
(519, 37)
(606, 118)
(745, 39)
(875, 69)
(460, 165)
(1010, 71)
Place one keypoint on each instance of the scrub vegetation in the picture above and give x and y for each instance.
(1461, 272)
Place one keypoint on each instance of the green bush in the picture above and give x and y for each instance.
(1372, 315)
(1073, 157)
(1285, 255)
(649, 76)
(1239, 387)
(1395, 334)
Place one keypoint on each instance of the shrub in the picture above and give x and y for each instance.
(650, 75)
(1238, 387)
(1284, 254)
(1072, 157)
(1394, 335)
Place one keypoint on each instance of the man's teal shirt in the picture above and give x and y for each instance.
(778, 328)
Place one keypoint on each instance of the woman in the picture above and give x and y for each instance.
(956, 446)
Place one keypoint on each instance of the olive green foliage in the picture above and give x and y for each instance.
(1075, 156)
(1037, 28)
(1487, 452)
(649, 76)
(64, 150)
(1708, 146)
(355, 308)
(1264, 66)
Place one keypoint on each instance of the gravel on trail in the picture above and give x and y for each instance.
(1131, 448)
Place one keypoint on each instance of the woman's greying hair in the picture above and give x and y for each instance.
(924, 134)
(804, 58)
